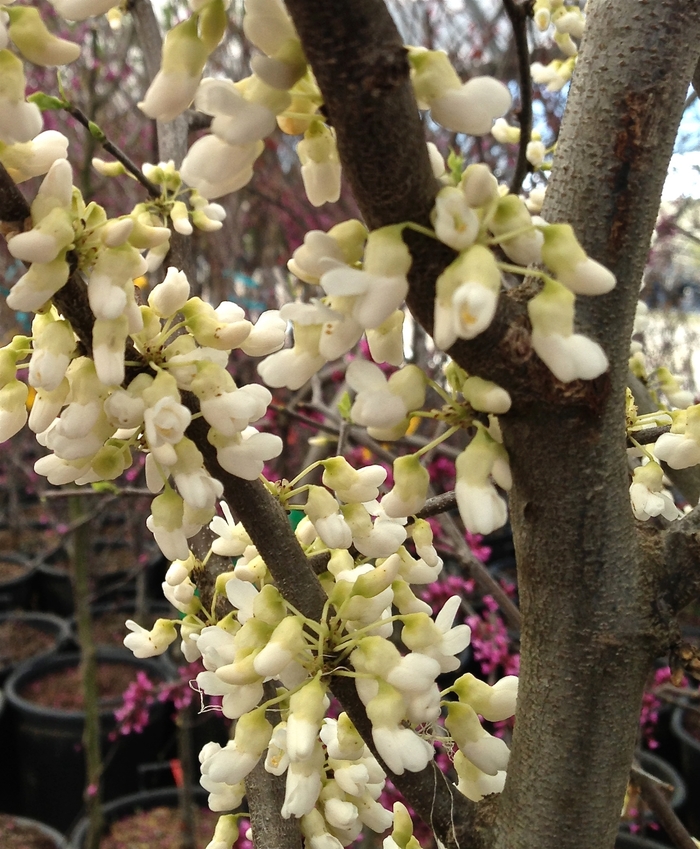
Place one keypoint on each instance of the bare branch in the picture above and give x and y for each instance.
(657, 801)
(518, 14)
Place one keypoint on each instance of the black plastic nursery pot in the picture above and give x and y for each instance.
(42, 631)
(16, 575)
(19, 831)
(49, 757)
(113, 571)
(625, 840)
(134, 803)
(690, 762)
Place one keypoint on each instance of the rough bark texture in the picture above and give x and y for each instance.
(591, 619)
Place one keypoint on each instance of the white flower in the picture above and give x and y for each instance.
(488, 753)
(303, 784)
(324, 513)
(573, 357)
(399, 747)
(381, 287)
(245, 453)
(343, 244)
(383, 405)
(481, 508)
(679, 450)
(293, 367)
(648, 496)
(562, 252)
(216, 168)
(454, 221)
(53, 344)
(145, 643)
(238, 119)
(170, 296)
(352, 485)
(568, 355)
(410, 489)
(466, 296)
(13, 410)
(34, 158)
(232, 536)
(320, 165)
(267, 336)
(473, 107)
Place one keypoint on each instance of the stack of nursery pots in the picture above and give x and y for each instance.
(45, 704)
(23, 635)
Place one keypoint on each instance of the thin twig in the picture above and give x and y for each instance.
(113, 150)
(659, 804)
(438, 504)
(67, 493)
(518, 14)
(648, 434)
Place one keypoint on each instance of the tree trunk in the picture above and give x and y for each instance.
(589, 614)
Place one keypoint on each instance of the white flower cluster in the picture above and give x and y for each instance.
(83, 415)
(25, 150)
(332, 780)
(358, 300)
(566, 22)
(281, 92)
(476, 215)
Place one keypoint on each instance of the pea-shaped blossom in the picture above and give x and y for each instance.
(512, 225)
(400, 747)
(410, 488)
(568, 355)
(464, 108)
(480, 506)
(320, 164)
(571, 265)
(341, 245)
(171, 295)
(681, 447)
(232, 538)
(381, 286)
(145, 643)
(165, 418)
(381, 405)
(292, 367)
(466, 296)
(19, 121)
(352, 485)
(455, 223)
(174, 86)
(244, 454)
(648, 496)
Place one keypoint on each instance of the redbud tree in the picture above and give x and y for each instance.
(315, 637)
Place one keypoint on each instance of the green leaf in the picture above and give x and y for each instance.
(96, 132)
(344, 406)
(46, 102)
(106, 486)
(455, 165)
